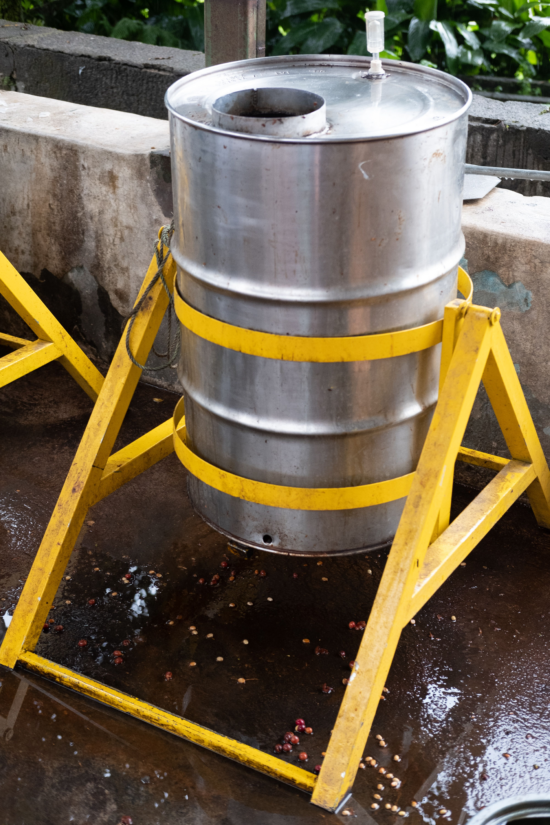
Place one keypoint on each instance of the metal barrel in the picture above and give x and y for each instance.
(350, 225)
(529, 809)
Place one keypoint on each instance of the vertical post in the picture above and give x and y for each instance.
(233, 30)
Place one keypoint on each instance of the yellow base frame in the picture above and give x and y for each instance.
(425, 551)
(53, 343)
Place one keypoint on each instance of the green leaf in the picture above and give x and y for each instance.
(530, 5)
(195, 19)
(535, 26)
(359, 44)
(395, 6)
(503, 48)
(472, 57)
(294, 38)
(325, 35)
(471, 38)
(418, 38)
(395, 19)
(425, 9)
(445, 31)
(499, 30)
(301, 6)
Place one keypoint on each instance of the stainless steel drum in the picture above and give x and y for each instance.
(311, 200)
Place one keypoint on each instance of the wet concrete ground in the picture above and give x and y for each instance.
(468, 707)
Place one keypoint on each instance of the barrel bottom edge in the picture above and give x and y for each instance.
(239, 521)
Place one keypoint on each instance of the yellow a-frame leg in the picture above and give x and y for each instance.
(415, 569)
(53, 342)
(425, 552)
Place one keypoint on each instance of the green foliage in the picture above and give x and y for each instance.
(500, 37)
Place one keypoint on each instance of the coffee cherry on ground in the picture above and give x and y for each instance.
(287, 747)
(117, 653)
(345, 681)
(342, 654)
(82, 642)
(46, 628)
(126, 820)
(352, 664)
(288, 736)
(91, 602)
(294, 740)
(309, 731)
(295, 575)
(202, 581)
(126, 642)
(168, 676)
(320, 650)
(361, 625)
(317, 768)
(224, 564)
(326, 689)
(302, 756)
(59, 629)
(300, 728)
(278, 748)
(233, 573)
(300, 722)
(352, 625)
(118, 660)
(263, 574)
(128, 576)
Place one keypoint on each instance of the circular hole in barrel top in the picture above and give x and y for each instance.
(268, 111)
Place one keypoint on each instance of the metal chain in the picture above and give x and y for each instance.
(171, 354)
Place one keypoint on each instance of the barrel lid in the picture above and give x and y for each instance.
(408, 100)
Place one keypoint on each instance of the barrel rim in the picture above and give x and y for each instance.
(352, 61)
(512, 808)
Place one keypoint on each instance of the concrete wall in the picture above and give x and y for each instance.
(94, 71)
(83, 193)
(508, 255)
(511, 134)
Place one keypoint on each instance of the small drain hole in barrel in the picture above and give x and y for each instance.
(267, 539)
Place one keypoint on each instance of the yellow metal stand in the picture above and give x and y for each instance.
(425, 551)
(53, 343)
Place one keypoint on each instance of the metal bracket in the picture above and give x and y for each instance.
(425, 552)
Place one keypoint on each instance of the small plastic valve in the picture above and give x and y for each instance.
(375, 41)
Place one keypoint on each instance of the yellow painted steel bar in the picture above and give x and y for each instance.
(12, 341)
(245, 754)
(479, 459)
(25, 359)
(405, 560)
(508, 401)
(275, 495)
(467, 530)
(317, 350)
(301, 348)
(80, 488)
(45, 326)
(136, 457)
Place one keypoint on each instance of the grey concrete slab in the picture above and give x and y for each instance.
(91, 70)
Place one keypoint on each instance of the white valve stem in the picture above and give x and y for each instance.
(375, 41)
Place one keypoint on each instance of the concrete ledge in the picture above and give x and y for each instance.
(94, 71)
(84, 192)
(508, 254)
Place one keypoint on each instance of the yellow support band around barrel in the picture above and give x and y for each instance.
(275, 495)
(319, 350)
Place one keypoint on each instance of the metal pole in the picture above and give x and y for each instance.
(503, 172)
(233, 30)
